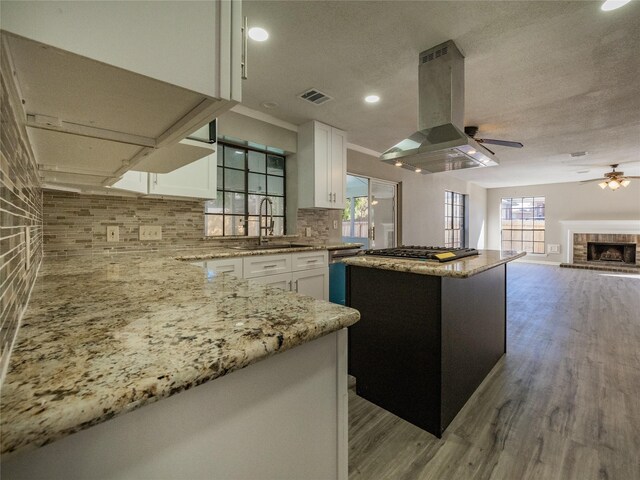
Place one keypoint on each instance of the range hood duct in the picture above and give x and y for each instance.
(440, 143)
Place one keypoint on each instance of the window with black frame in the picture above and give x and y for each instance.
(454, 206)
(245, 177)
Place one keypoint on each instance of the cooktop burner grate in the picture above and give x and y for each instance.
(438, 254)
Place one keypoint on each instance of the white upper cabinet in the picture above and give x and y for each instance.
(195, 180)
(173, 41)
(322, 166)
(107, 87)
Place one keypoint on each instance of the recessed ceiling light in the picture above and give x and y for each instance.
(418, 170)
(258, 34)
(609, 5)
(471, 152)
(398, 163)
(372, 99)
(269, 104)
(579, 154)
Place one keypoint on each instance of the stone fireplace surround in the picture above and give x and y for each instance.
(579, 234)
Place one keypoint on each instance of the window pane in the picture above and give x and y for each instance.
(506, 245)
(220, 178)
(528, 246)
(254, 204)
(233, 180)
(275, 165)
(278, 225)
(233, 225)
(234, 202)
(214, 206)
(538, 247)
(253, 226)
(213, 225)
(538, 236)
(527, 235)
(278, 205)
(233, 157)
(257, 162)
(257, 183)
(276, 185)
(220, 157)
(516, 235)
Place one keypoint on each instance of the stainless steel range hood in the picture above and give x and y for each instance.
(440, 143)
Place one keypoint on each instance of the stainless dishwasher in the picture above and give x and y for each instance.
(337, 274)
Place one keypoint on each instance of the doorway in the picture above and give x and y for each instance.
(370, 213)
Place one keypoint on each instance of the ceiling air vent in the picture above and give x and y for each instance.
(315, 96)
(432, 54)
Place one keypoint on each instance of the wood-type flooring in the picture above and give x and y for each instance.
(562, 404)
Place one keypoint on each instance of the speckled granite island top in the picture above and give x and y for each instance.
(463, 268)
(226, 252)
(105, 335)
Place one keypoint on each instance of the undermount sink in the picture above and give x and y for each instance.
(271, 246)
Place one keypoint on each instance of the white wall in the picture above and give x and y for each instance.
(566, 201)
(422, 198)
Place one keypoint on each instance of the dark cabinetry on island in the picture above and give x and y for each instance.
(425, 340)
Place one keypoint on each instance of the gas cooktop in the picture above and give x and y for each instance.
(436, 254)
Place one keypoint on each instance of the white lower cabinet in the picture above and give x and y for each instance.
(314, 283)
(305, 272)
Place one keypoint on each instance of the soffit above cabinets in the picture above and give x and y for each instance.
(96, 121)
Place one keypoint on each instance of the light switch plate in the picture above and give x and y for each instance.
(307, 231)
(335, 224)
(113, 233)
(553, 248)
(150, 232)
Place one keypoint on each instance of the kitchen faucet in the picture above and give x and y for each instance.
(268, 228)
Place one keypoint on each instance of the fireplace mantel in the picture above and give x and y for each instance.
(569, 227)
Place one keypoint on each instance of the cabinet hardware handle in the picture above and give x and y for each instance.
(296, 282)
(312, 261)
(155, 179)
(334, 198)
(270, 266)
(245, 48)
(329, 196)
(290, 286)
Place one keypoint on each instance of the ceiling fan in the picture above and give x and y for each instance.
(612, 179)
(473, 130)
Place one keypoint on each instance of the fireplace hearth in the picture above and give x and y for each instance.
(611, 252)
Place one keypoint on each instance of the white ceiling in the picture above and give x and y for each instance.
(558, 76)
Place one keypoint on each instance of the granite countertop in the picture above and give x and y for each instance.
(104, 336)
(463, 268)
(226, 252)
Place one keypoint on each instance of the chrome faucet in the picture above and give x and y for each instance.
(268, 228)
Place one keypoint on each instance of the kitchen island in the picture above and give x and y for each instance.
(106, 335)
(429, 332)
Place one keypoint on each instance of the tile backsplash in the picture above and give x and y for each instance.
(76, 224)
(21, 221)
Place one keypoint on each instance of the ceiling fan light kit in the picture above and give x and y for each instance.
(614, 180)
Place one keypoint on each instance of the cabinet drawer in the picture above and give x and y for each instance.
(309, 260)
(282, 281)
(226, 265)
(260, 265)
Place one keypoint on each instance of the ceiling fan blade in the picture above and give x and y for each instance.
(594, 180)
(504, 143)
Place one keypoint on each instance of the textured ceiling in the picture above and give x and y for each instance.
(558, 76)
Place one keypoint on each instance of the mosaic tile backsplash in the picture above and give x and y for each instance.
(21, 222)
(76, 224)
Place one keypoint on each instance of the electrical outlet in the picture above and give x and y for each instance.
(335, 224)
(150, 232)
(307, 231)
(113, 233)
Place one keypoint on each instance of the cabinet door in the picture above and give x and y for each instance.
(197, 180)
(314, 283)
(338, 167)
(189, 44)
(263, 265)
(322, 167)
(281, 281)
(309, 260)
(231, 265)
(133, 182)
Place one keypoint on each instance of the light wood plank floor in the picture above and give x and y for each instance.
(564, 403)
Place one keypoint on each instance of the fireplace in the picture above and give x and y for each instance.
(608, 252)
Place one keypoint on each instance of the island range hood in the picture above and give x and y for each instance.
(440, 143)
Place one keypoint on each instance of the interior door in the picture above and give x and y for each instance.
(355, 215)
(382, 214)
